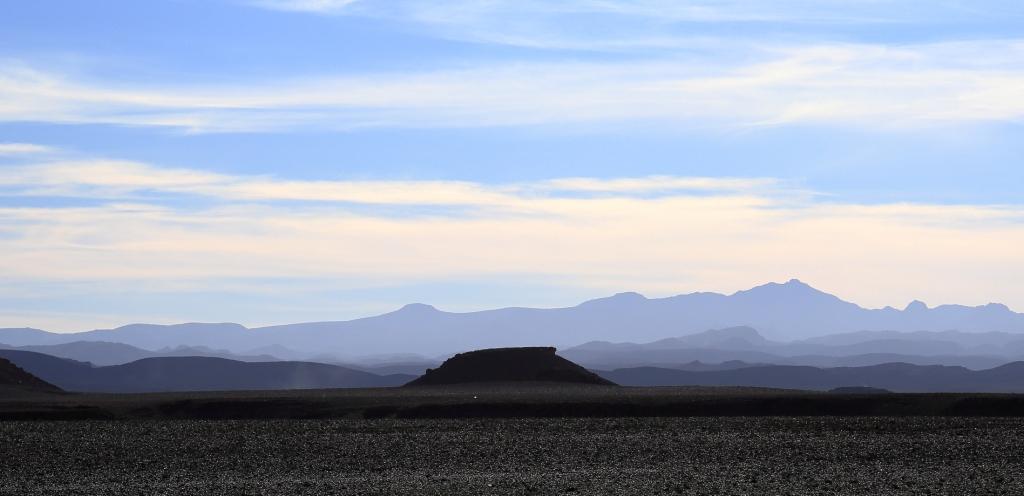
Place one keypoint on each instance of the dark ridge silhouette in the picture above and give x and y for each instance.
(13, 377)
(408, 368)
(95, 352)
(900, 377)
(976, 351)
(859, 390)
(208, 373)
(69, 375)
(536, 364)
(699, 366)
(194, 374)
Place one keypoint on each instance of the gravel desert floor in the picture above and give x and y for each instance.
(707, 455)
(512, 400)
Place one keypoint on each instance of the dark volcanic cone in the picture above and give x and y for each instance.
(12, 377)
(508, 365)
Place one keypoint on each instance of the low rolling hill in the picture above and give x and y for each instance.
(102, 353)
(194, 374)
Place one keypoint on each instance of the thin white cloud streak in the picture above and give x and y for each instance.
(313, 6)
(612, 26)
(475, 13)
(727, 235)
(863, 85)
(23, 149)
(115, 180)
(655, 184)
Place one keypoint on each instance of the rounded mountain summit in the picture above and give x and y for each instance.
(535, 364)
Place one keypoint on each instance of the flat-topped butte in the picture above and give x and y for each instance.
(533, 364)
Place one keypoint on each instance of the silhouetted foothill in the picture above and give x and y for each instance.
(859, 390)
(161, 374)
(508, 365)
(11, 376)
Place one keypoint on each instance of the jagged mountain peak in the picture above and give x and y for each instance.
(792, 285)
(793, 290)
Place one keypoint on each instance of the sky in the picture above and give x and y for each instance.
(279, 161)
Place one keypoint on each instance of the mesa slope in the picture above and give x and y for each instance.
(14, 379)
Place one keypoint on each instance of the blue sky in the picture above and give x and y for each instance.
(292, 160)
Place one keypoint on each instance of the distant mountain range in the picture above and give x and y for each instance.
(896, 377)
(193, 374)
(746, 345)
(166, 374)
(789, 311)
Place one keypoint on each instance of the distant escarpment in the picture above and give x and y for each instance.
(537, 364)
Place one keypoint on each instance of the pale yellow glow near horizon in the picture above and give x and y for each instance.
(695, 234)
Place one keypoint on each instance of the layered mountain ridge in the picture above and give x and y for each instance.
(779, 311)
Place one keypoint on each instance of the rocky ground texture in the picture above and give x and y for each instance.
(768, 455)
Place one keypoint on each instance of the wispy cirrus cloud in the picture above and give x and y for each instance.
(824, 11)
(859, 85)
(656, 184)
(645, 25)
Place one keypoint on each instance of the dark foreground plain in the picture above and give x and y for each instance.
(704, 455)
(508, 400)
